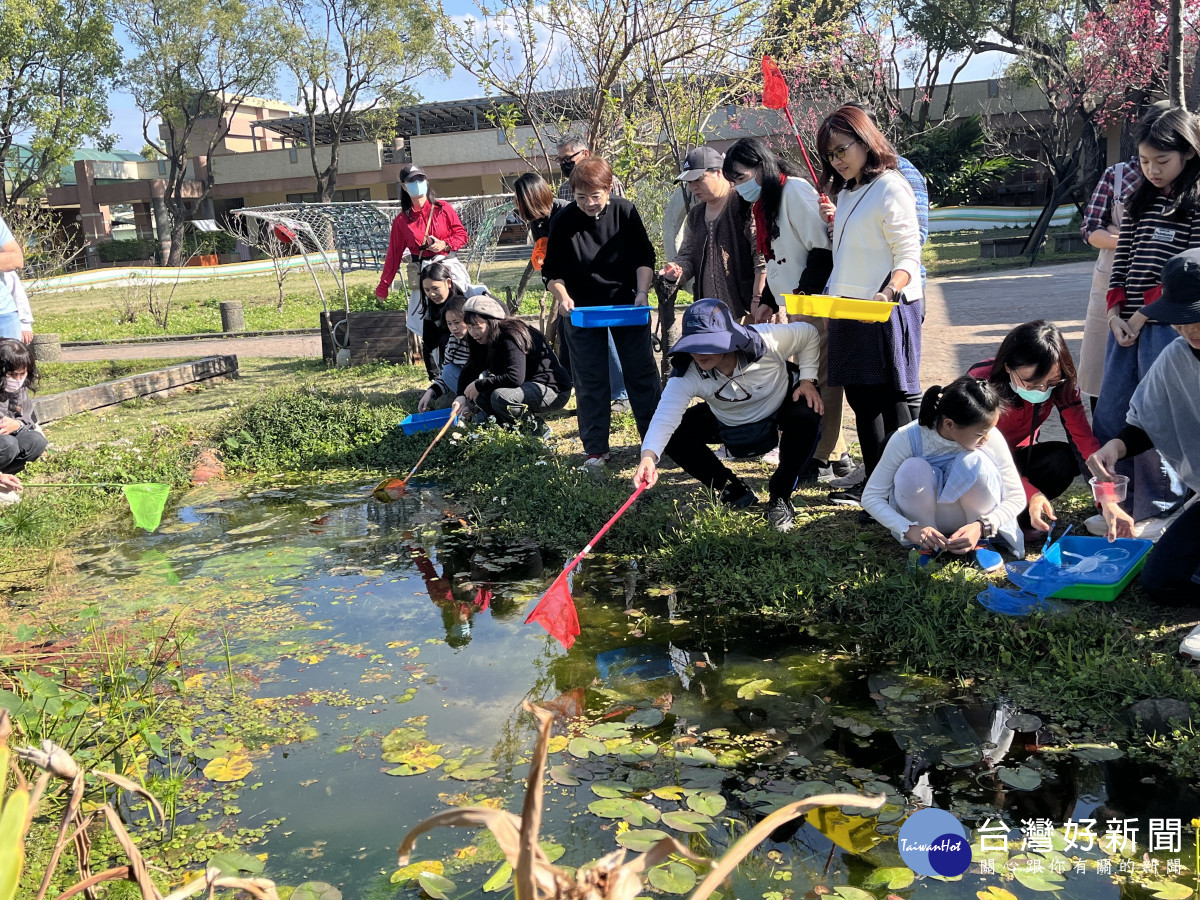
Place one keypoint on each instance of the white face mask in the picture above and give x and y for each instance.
(12, 385)
(750, 190)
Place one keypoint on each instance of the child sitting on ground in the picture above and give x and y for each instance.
(948, 481)
(20, 440)
(444, 388)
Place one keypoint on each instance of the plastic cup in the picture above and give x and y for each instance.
(1110, 491)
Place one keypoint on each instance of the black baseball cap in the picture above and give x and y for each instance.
(699, 161)
(1180, 300)
(412, 170)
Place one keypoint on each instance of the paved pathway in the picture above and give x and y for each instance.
(268, 345)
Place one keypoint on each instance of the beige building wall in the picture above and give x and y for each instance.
(273, 164)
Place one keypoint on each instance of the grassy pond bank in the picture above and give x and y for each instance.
(300, 674)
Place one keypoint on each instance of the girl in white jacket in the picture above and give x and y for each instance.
(948, 481)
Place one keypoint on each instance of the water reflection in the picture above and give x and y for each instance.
(419, 619)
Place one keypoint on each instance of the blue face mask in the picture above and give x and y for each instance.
(416, 188)
(749, 190)
(1030, 396)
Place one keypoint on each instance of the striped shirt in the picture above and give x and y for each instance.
(1145, 246)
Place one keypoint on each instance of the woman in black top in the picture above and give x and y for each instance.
(599, 254)
(512, 372)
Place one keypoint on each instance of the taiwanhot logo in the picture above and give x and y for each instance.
(934, 842)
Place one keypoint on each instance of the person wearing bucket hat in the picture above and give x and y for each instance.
(718, 244)
(512, 373)
(752, 399)
(1164, 415)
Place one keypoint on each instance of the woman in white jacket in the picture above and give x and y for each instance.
(793, 239)
(876, 256)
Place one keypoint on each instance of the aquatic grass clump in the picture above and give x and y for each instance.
(289, 429)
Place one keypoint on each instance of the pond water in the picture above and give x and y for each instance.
(407, 629)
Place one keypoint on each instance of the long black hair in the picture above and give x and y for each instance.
(966, 401)
(436, 272)
(14, 356)
(511, 327)
(750, 153)
(1039, 344)
(1166, 129)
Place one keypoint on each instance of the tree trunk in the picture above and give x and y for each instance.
(175, 257)
(1175, 85)
(1193, 94)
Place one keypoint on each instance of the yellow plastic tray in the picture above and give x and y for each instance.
(837, 307)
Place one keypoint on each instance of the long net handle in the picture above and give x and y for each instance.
(607, 525)
(811, 171)
(445, 428)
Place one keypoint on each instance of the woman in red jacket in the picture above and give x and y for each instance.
(430, 231)
(1034, 372)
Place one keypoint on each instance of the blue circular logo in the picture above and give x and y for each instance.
(934, 842)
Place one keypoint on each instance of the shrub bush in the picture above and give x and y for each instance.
(126, 251)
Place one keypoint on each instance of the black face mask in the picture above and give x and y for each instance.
(567, 166)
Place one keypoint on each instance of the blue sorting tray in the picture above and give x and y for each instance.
(609, 316)
(426, 421)
(1086, 568)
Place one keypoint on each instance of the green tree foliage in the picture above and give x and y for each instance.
(957, 162)
(58, 59)
(196, 62)
(353, 61)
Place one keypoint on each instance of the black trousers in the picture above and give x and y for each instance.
(18, 449)
(1050, 466)
(878, 411)
(799, 426)
(1172, 573)
(431, 347)
(589, 371)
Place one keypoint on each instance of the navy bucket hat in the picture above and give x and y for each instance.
(709, 327)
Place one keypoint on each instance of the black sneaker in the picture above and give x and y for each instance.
(842, 466)
(852, 497)
(737, 494)
(814, 472)
(781, 515)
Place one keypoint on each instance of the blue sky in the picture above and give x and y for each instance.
(127, 118)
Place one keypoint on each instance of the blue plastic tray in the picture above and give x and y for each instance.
(609, 316)
(1119, 563)
(426, 421)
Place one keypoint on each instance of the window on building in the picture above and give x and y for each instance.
(993, 88)
(293, 156)
(162, 167)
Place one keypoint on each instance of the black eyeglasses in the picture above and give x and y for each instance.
(837, 154)
(568, 157)
(414, 179)
(733, 386)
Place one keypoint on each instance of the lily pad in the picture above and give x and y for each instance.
(604, 731)
(894, 878)
(696, 756)
(1168, 890)
(420, 757)
(673, 878)
(635, 812)
(689, 822)
(1097, 752)
(233, 862)
(316, 890)
(406, 769)
(229, 768)
(752, 689)
(1022, 779)
(476, 771)
(668, 792)
(960, 759)
(437, 886)
(498, 879)
(412, 870)
(557, 744)
(1023, 722)
(566, 775)
(608, 790)
(582, 748)
(995, 893)
(634, 753)
(846, 892)
(640, 840)
(645, 718)
(707, 802)
(1044, 880)
(402, 738)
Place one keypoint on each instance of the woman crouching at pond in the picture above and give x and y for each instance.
(752, 397)
(948, 480)
(512, 373)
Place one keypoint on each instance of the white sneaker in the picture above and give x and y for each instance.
(595, 463)
(854, 479)
(722, 453)
(1096, 525)
(7, 498)
(1152, 529)
(771, 457)
(1190, 646)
